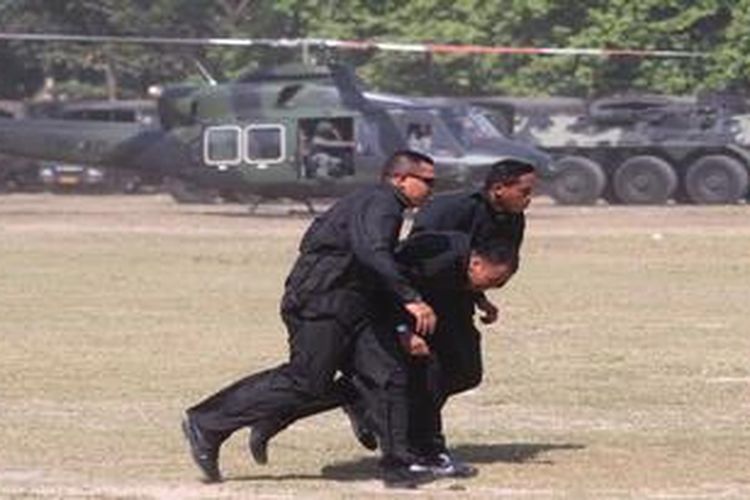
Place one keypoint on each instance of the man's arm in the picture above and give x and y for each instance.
(374, 234)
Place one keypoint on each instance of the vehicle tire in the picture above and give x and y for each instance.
(644, 180)
(579, 181)
(716, 179)
(184, 192)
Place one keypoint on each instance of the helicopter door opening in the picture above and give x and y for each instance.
(265, 144)
(221, 145)
(326, 147)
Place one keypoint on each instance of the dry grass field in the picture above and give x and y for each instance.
(620, 369)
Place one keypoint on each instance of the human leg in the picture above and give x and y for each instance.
(316, 348)
(381, 378)
(454, 366)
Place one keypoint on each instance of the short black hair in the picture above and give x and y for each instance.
(403, 162)
(498, 251)
(507, 172)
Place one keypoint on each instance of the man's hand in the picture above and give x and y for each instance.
(489, 310)
(414, 344)
(424, 317)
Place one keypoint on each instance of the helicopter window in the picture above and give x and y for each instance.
(327, 147)
(426, 132)
(265, 143)
(469, 126)
(221, 145)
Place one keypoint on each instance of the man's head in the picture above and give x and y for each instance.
(509, 185)
(491, 265)
(412, 173)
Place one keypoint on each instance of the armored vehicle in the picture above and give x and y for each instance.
(636, 150)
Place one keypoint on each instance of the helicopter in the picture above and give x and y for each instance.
(297, 131)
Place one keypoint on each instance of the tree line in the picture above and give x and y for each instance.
(717, 28)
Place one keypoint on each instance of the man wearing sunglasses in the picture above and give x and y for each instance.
(346, 258)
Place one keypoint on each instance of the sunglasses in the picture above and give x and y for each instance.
(429, 181)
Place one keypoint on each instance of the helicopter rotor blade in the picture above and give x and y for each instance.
(359, 45)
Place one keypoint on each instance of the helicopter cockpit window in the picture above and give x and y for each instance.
(265, 143)
(426, 132)
(327, 147)
(221, 145)
(470, 126)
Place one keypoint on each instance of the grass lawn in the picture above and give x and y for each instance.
(620, 367)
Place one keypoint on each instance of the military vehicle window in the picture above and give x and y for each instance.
(99, 114)
(426, 132)
(469, 126)
(265, 143)
(221, 145)
(327, 147)
(123, 115)
(74, 115)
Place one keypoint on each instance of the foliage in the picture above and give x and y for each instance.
(716, 27)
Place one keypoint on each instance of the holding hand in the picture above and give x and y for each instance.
(424, 317)
(489, 310)
(414, 344)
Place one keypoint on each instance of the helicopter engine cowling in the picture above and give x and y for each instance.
(177, 106)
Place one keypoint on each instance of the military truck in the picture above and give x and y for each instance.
(62, 177)
(16, 173)
(635, 149)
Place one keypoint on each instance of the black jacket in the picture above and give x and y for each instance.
(471, 213)
(437, 263)
(348, 250)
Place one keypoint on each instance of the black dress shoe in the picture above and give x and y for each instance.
(258, 444)
(403, 477)
(260, 434)
(362, 431)
(205, 453)
(399, 473)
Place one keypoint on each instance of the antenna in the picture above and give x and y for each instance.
(205, 73)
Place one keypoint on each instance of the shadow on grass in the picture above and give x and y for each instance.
(510, 453)
(366, 468)
(357, 470)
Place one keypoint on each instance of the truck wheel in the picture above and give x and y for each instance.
(716, 179)
(579, 181)
(184, 192)
(644, 180)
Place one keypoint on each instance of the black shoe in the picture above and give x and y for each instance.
(258, 444)
(403, 477)
(261, 433)
(204, 452)
(398, 473)
(362, 431)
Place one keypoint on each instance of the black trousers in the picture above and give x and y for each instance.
(320, 345)
(454, 366)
